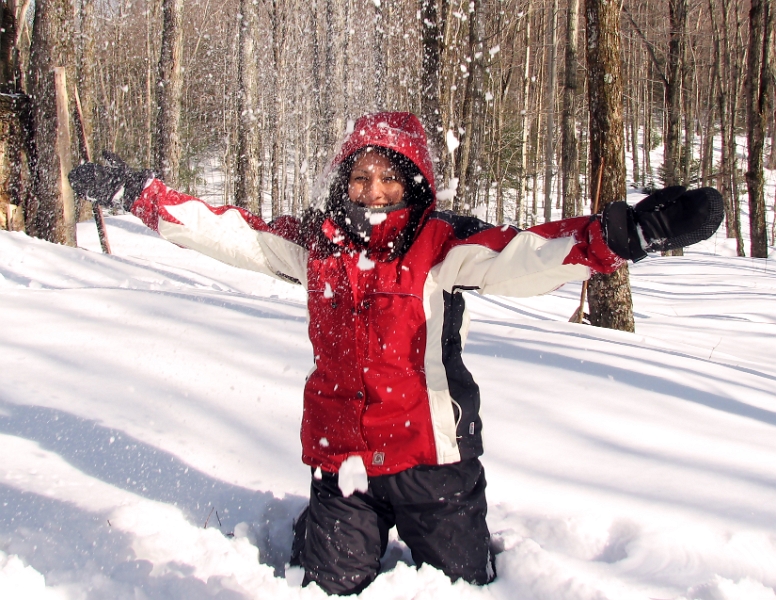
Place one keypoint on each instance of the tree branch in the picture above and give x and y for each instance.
(660, 65)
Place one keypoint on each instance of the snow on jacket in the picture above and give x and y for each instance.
(388, 331)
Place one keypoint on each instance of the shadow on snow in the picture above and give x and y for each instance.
(118, 459)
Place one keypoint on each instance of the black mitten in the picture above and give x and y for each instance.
(113, 185)
(670, 218)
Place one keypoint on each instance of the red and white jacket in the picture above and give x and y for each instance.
(389, 382)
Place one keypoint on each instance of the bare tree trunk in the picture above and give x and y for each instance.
(329, 72)
(278, 23)
(11, 27)
(757, 100)
(648, 129)
(690, 103)
(772, 159)
(707, 152)
(522, 142)
(609, 295)
(379, 58)
(167, 151)
(634, 135)
(347, 87)
(673, 91)
(8, 25)
(152, 7)
(85, 87)
(570, 155)
(449, 27)
(86, 66)
(473, 113)
(430, 105)
(549, 135)
(502, 83)
(245, 194)
(534, 158)
(726, 99)
(13, 105)
(52, 47)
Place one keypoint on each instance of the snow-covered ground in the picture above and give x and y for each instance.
(150, 406)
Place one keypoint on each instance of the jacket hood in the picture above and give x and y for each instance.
(401, 132)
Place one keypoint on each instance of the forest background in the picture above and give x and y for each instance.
(524, 101)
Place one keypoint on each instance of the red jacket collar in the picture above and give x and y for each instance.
(381, 242)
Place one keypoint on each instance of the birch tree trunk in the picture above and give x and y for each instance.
(167, 150)
(522, 126)
(610, 300)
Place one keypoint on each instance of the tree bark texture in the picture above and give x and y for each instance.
(727, 107)
(7, 40)
(86, 68)
(430, 105)
(673, 91)
(331, 111)
(473, 113)
(167, 150)
(572, 205)
(757, 109)
(52, 47)
(246, 193)
(610, 300)
(379, 50)
(14, 176)
(549, 135)
(278, 18)
(522, 127)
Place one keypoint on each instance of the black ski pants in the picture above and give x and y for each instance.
(439, 512)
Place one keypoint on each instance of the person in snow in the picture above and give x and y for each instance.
(385, 273)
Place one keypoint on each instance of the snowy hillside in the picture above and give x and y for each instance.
(149, 431)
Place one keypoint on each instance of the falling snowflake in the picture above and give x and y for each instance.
(364, 263)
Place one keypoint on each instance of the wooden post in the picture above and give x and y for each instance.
(87, 153)
(579, 315)
(63, 153)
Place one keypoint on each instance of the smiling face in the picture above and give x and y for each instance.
(374, 182)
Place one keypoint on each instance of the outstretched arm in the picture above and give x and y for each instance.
(227, 233)
(507, 261)
(504, 260)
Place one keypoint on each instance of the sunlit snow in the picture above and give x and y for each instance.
(151, 404)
